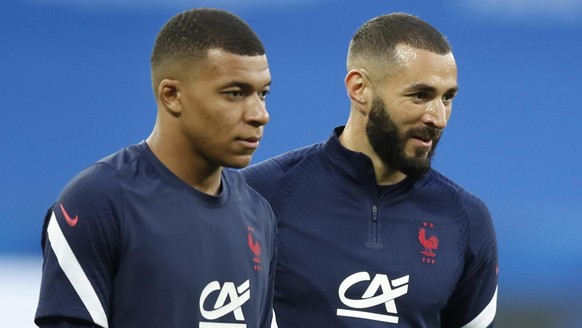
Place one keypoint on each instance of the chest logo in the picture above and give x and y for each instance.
(236, 295)
(429, 243)
(380, 290)
(255, 247)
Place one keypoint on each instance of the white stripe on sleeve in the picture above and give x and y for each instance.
(485, 318)
(274, 321)
(75, 273)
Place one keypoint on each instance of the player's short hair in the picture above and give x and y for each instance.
(377, 39)
(189, 35)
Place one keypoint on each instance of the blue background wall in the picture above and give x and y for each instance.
(74, 87)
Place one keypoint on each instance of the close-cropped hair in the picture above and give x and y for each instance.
(379, 37)
(190, 34)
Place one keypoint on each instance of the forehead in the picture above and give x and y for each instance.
(417, 66)
(221, 67)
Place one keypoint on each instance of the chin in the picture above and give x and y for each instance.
(238, 163)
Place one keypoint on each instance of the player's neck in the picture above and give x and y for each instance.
(193, 170)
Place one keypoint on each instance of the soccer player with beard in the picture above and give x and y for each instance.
(369, 234)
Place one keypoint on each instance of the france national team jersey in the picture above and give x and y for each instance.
(128, 244)
(421, 253)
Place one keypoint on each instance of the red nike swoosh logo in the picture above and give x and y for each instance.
(71, 222)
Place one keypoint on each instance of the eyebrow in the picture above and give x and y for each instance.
(421, 87)
(242, 85)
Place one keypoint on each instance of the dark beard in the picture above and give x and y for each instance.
(388, 141)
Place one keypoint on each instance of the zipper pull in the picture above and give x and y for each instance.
(374, 213)
(373, 242)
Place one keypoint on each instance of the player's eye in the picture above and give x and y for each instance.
(420, 96)
(263, 94)
(234, 93)
(448, 98)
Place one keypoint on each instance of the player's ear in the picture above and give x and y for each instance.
(358, 87)
(168, 93)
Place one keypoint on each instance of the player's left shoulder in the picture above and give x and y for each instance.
(457, 195)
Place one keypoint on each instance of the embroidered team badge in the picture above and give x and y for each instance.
(255, 247)
(429, 243)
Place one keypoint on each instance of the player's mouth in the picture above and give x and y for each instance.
(251, 143)
(422, 142)
(424, 138)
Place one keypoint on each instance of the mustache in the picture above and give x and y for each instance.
(425, 133)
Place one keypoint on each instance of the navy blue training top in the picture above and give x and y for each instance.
(420, 253)
(128, 244)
